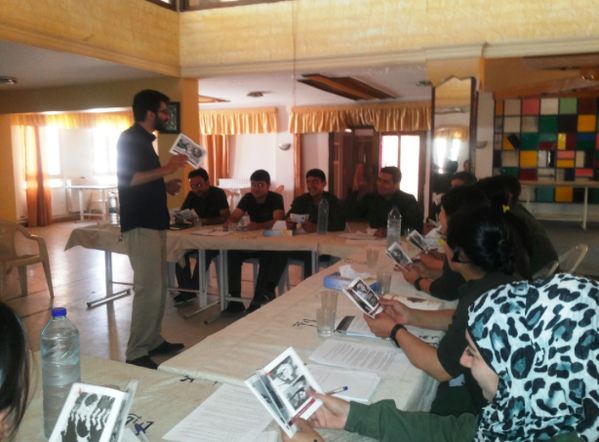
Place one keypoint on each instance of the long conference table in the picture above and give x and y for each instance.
(234, 353)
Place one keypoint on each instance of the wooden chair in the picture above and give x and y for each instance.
(569, 261)
(230, 199)
(280, 189)
(9, 257)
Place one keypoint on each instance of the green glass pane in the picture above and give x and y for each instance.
(529, 142)
(511, 171)
(568, 105)
(585, 145)
(545, 194)
(548, 123)
(594, 196)
(548, 137)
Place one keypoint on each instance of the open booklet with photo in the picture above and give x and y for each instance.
(96, 413)
(282, 387)
(419, 241)
(396, 253)
(184, 145)
(364, 297)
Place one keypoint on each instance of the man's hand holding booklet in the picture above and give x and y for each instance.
(364, 297)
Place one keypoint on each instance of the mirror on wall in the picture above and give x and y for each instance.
(454, 134)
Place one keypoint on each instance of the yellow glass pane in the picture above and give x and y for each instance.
(563, 194)
(587, 123)
(565, 163)
(528, 158)
(561, 141)
(506, 143)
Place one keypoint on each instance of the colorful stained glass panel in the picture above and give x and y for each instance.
(511, 107)
(549, 106)
(563, 194)
(531, 106)
(567, 105)
(587, 123)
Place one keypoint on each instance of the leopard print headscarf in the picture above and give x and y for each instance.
(542, 339)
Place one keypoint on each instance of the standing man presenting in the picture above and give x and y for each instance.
(144, 221)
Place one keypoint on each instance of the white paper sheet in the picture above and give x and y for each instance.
(360, 385)
(213, 232)
(129, 436)
(231, 414)
(268, 436)
(374, 359)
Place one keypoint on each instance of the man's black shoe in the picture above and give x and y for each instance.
(260, 299)
(234, 307)
(144, 361)
(184, 298)
(166, 348)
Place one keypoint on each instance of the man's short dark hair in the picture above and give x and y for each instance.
(316, 173)
(466, 177)
(513, 186)
(198, 172)
(394, 172)
(261, 175)
(147, 100)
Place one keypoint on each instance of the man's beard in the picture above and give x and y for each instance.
(159, 123)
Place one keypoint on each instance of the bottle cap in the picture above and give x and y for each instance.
(59, 311)
(395, 207)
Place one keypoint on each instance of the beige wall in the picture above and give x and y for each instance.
(130, 32)
(8, 204)
(264, 33)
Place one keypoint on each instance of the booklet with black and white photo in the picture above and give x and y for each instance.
(418, 240)
(282, 387)
(184, 145)
(364, 297)
(96, 413)
(396, 253)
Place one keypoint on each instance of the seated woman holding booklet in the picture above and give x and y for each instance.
(14, 372)
(532, 348)
(480, 248)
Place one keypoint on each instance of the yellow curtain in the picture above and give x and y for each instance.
(452, 132)
(388, 117)
(39, 203)
(217, 160)
(298, 170)
(76, 120)
(239, 121)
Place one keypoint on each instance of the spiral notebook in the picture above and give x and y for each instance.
(360, 385)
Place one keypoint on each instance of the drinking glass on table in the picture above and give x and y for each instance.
(328, 300)
(325, 323)
(372, 257)
(383, 283)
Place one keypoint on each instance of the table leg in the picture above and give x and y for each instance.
(81, 216)
(223, 285)
(110, 295)
(315, 266)
(585, 209)
(104, 203)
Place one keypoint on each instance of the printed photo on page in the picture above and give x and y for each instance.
(184, 145)
(364, 297)
(283, 386)
(396, 253)
(418, 240)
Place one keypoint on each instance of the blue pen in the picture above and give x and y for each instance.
(141, 433)
(337, 390)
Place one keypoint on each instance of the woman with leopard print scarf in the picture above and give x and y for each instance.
(533, 347)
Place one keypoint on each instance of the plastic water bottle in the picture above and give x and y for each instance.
(323, 217)
(113, 208)
(60, 364)
(393, 227)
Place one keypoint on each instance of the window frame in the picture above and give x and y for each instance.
(172, 4)
(185, 6)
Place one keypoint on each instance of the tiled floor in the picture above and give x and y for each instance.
(78, 277)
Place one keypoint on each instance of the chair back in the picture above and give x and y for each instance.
(569, 261)
(280, 189)
(546, 271)
(8, 230)
(230, 199)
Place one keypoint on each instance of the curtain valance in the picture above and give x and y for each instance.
(76, 120)
(387, 117)
(239, 121)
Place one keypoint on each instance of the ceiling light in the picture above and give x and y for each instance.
(256, 94)
(8, 80)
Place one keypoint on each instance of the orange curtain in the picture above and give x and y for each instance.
(217, 160)
(298, 170)
(239, 121)
(39, 203)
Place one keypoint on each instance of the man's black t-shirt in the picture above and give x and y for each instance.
(260, 213)
(208, 207)
(143, 205)
(304, 204)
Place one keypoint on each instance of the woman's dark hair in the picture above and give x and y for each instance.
(14, 369)
(483, 235)
(462, 197)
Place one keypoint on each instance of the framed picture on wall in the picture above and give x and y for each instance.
(174, 124)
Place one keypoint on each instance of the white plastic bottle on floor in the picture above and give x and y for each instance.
(60, 364)
(113, 209)
(393, 227)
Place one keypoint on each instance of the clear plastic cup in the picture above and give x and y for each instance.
(325, 323)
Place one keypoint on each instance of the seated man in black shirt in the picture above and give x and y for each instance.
(307, 204)
(211, 206)
(264, 208)
(375, 206)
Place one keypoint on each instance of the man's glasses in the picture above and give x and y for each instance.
(258, 185)
(163, 111)
(196, 186)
